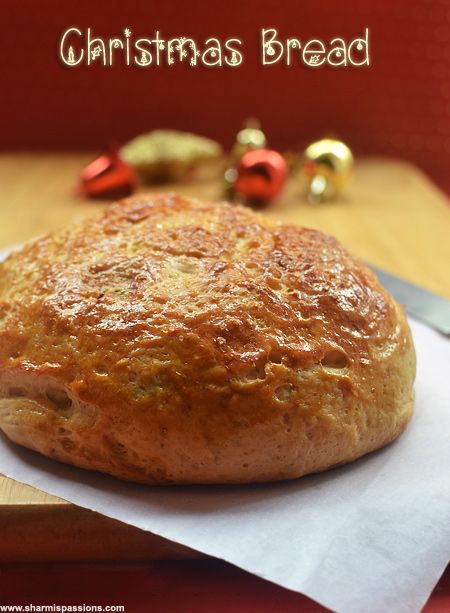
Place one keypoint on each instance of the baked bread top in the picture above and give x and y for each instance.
(174, 340)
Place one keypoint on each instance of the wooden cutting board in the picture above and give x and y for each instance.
(390, 215)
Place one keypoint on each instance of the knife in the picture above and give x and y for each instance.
(430, 308)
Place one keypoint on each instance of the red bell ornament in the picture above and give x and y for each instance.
(108, 176)
(261, 175)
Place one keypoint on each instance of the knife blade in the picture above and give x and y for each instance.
(430, 308)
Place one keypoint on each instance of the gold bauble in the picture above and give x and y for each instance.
(250, 137)
(327, 168)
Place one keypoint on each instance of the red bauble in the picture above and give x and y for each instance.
(108, 176)
(261, 175)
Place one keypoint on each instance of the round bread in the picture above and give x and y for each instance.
(176, 341)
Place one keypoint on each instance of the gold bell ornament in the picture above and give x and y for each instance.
(250, 137)
(327, 169)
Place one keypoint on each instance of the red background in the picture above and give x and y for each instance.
(399, 106)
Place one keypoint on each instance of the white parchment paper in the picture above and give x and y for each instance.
(372, 536)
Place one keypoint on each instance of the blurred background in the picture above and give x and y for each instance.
(400, 106)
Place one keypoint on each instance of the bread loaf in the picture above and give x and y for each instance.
(176, 341)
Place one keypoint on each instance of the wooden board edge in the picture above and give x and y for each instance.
(66, 533)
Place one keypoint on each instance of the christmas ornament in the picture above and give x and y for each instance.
(260, 176)
(327, 168)
(167, 155)
(250, 137)
(108, 176)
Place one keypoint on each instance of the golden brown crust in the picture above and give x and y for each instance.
(197, 342)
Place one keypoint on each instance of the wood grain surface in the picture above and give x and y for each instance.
(390, 215)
